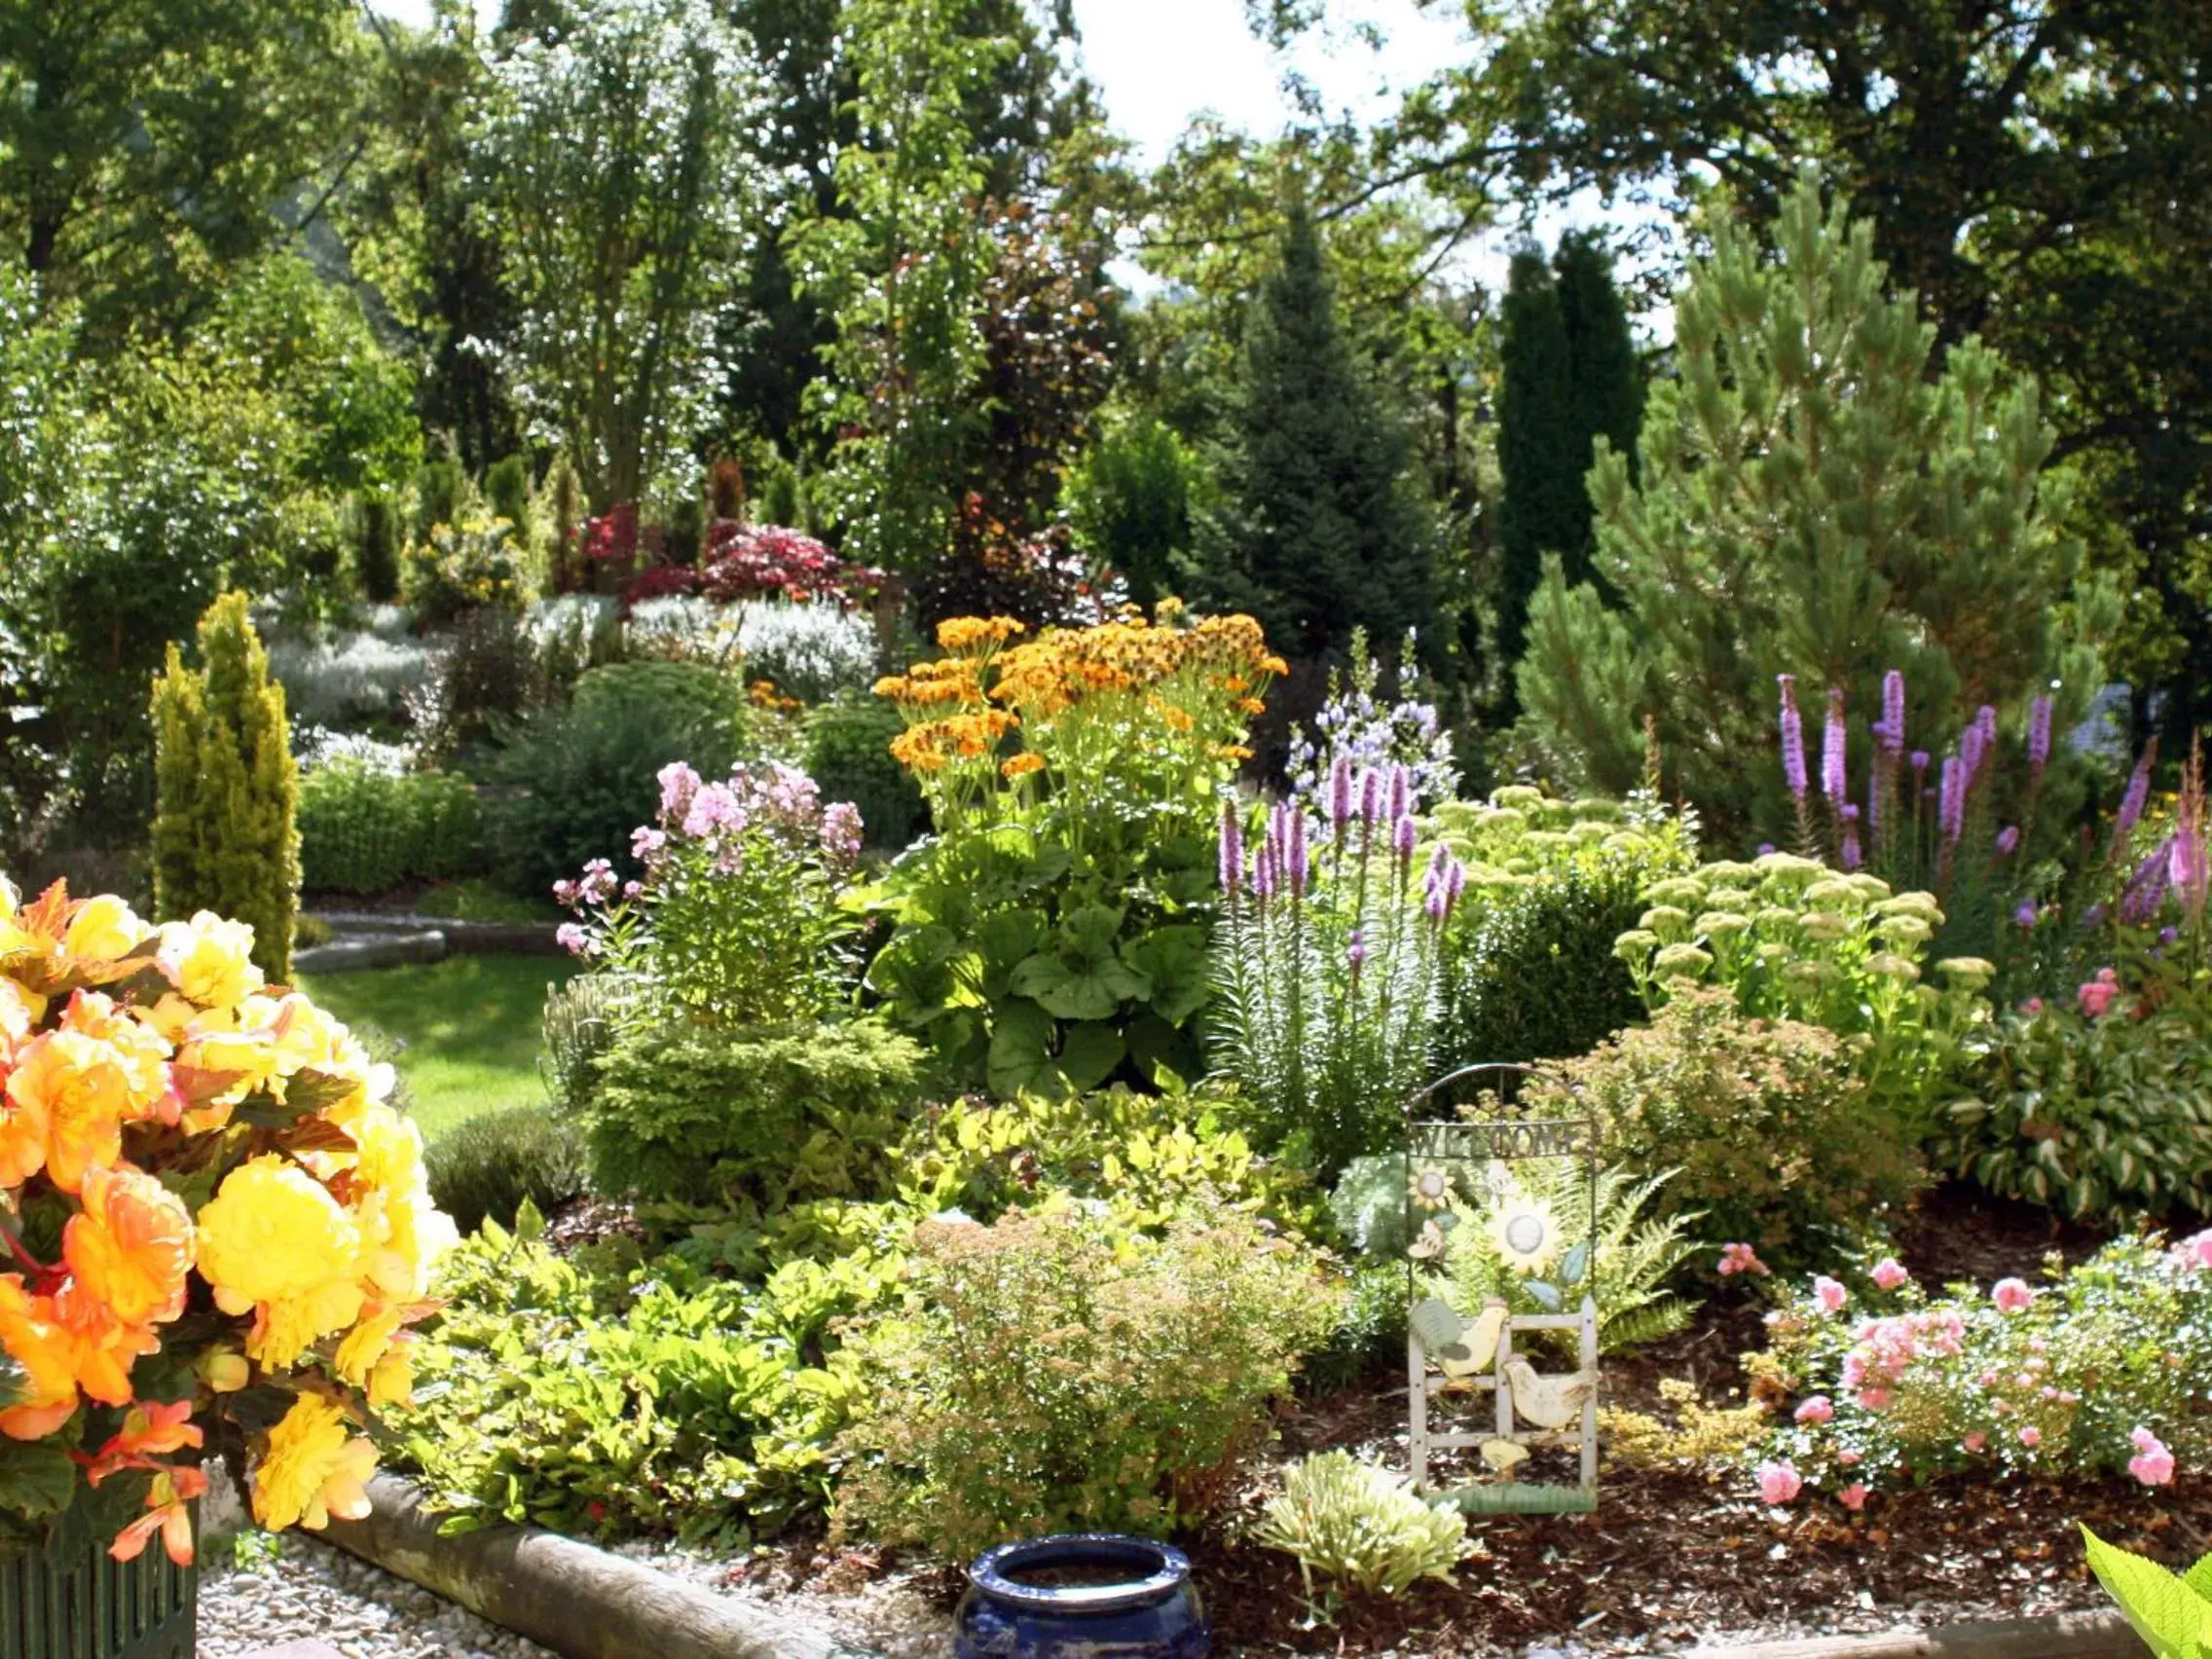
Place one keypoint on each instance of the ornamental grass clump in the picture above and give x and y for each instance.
(1326, 965)
(215, 1231)
(1361, 1526)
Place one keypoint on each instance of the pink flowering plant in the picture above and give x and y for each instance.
(736, 917)
(2096, 1370)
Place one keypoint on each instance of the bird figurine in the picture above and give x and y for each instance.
(1549, 1402)
(1476, 1350)
(1503, 1455)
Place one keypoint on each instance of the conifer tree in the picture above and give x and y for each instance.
(1605, 380)
(1327, 533)
(1810, 501)
(225, 789)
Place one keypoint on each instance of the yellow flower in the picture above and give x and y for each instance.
(274, 1242)
(316, 1467)
(209, 959)
(405, 1235)
(64, 1111)
(1524, 1232)
(1430, 1189)
(103, 930)
(374, 1356)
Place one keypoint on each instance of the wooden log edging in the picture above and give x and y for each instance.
(2054, 1636)
(581, 1603)
(461, 938)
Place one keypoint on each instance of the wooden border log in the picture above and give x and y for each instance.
(2056, 1636)
(580, 1601)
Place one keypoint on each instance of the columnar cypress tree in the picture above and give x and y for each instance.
(225, 788)
(1813, 501)
(1330, 534)
(1543, 507)
(1605, 380)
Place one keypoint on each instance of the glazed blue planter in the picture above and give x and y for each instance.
(1081, 1595)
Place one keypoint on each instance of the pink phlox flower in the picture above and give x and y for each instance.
(2153, 1463)
(2030, 1436)
(1779, 1482)
(713, 808)
(573, 938)
(645, 843)
(841, 833)
(1975, 1442)
(600, 881)
(1741, 1259)
(2195, 1251)
(1818, 1409)
(2013, 1296)
(679, 782)
(1832, 1295)
(1847, 1457)
(1889, 1274)
(1874, 1399)
(2096, 995)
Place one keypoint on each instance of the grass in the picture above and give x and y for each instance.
(467, 1028)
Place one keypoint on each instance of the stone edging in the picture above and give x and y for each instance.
(2056, 1636)
(381, 940)
(580, 1601)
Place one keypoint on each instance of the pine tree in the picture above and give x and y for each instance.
(1327, 533)
(1810, 501)
(225, 789)
(1543, 507)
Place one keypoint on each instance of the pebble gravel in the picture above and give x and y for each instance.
(302, 1590)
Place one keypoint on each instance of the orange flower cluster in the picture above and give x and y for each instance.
(128, 1052)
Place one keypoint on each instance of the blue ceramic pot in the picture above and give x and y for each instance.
(1081, 1595)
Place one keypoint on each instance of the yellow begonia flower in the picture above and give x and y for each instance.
(367, 1344)
(20, 1010)
(404, 1237)
(33, 1337)
(209, 960)
(141, 1050)
(66, 1099)
(316, 1467)
(274, 1241)
(104, 930)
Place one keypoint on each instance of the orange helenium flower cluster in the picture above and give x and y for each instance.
(129, 1053)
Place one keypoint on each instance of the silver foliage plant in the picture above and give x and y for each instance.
(1361, 1526)
(1327, 963)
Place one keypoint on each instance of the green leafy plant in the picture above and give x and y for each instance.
(1794, 941)
(1361, 1526)
(365, 829)
(474, 564)
(1052, 1373)
(766, 1115)
(848, 753)
(579, 1026)
(224, 838)
(1768, 1123)
(490, 1165)
(2172, 1612)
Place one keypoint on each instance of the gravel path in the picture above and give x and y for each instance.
(308, 1589)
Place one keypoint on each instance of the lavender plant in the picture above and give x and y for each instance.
(1326, 963)
(1370, 728)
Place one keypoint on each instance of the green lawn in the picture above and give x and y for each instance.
(469, 1027)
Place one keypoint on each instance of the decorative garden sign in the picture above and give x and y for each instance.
(1461, 1172)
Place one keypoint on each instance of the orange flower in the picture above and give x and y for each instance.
(33, 1339)
(1021, 765)
(67, 1098)
(101, 1349)
(131, 1246)
(166, 1514)
(149, 1430)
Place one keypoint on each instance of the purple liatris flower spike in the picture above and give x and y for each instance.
(1850, 855)
(1832, 744)
(2025, 914)
(1455, 882)
(1971, 746)
(1986, 722)
(1404, 835)
(2133, 802)
(1952, 808)
(1263, 873)
(1919, 760)
(1371, 788)
(1435, 904)
(1401, 792)
(2186, 863)
(1893, 713)
(1357, 953)
(2146, 890)
(2008, 841)
(1340, 793)
(1792, 737)
(1232, 849)
(1296, 867)
(2039, 733)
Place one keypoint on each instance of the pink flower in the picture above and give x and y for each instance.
(1832, 1296)
(1853, 1496)
(1887, 1275)
(1848, 1457)
(2195, 1251)
(2096, 995)
(1779, 1482)
(566, 894)
(677, 784)
(1874, 1399)
(2152, 1464)
(2032, 1006)
(1818, 1409)
(573, 938)
(1741, 1259)
(1975, 1442)
(645, 842)
(2013, 1296)
(2030, 1436)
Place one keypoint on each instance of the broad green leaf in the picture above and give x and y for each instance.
(1088, 1054)
(1004, 941)
(37, 1479)
(1161, 1052)
(1021, 1060)
(2168, 1613)
(1091, 991)
(1175, 960)
(1091, 930)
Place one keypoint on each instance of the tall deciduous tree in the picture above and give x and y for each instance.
(1327, 531)
(614, 171)
(145, 144)
(1812, 500)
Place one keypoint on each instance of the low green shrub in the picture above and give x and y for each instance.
(364, 829)
(1361, 1526)
(848, 751)
(578, 780)
(474, 564)
(766, 1115)
(1531, 971)
(489, 1167)
(1768, 1123)
(578, 1026)
(2069, 1378)
(1050, 1374)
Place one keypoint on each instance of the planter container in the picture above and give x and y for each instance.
(88, 1605)
(1081, 1595)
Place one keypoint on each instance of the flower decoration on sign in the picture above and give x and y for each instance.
(1430, 1189)
(1524, 1233)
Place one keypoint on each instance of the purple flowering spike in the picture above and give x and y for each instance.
(1832, 744)
(2185, 865)
(2025, 913)
(1455, 882)
(2133, 802)
(1792, 737)
(1264, 875)
(1357, 954)
(1972, 748)
(1371, 788)
(1919, 770)
(1850, 853)
(1340, 793)
(1401, 792)
(1404, 835)
(1232, 849)
(1436, 862)
(1952, 798)
(2146, 890)
(1986, 722)
(2039, 733)
(1295, 862)
(1893, 713)
(2008, 841)
(1435, 904)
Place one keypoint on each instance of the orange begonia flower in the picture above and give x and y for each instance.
(101, 1349)
(166, 1514)
(149, 1430)
(131, 1246)
(34, 1340)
